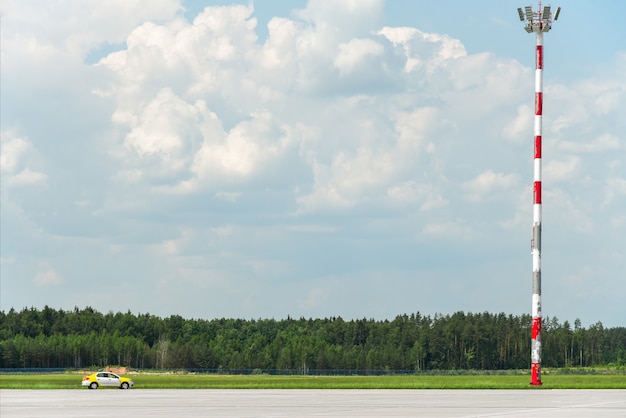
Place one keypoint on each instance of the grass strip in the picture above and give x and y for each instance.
(211, 381)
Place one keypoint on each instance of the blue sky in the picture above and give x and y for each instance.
(309, 158)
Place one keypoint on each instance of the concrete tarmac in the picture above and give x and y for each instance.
(229, 403)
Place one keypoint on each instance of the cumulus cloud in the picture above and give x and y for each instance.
(79, 25)
(184, 93)
(16, 158)
(206, 105)
(424, 51)
(355, 53)
(12, 150)
(241, 152)
(164, 127)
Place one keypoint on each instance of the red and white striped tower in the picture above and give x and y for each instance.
(538, 22)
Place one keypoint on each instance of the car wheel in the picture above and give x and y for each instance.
(124, 385)
(93, 385)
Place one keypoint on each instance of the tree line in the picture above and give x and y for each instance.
(50, 338)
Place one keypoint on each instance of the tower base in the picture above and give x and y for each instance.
(535, 374)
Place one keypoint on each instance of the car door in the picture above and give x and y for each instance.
(108, 379)
(114, 380)
(103, 379)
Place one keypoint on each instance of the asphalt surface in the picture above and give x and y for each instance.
(311, 403)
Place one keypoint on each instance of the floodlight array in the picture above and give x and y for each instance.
(529, 13)
(537, 21)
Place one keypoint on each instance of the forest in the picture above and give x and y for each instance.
(82, 338)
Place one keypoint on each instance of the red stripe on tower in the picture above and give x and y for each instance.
(538, 103)
(539, 57)
(537, 193)
(537, 146)
(536, 328)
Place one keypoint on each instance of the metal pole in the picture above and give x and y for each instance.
(539, 22)
(536, 241)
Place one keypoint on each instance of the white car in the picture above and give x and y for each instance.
(95, 380)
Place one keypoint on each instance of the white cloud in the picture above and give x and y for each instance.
(79, 25)
(488, 183)
(169, 247)
(165, 126)
(26, 177)
(13, 150)
(17, 155)
(424, 51)
(416, 126)
(240, 153)
(186, 57)
(521, 127)
(354, 53)
(49, 277)
(558, 171)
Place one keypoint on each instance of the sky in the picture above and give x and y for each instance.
(362, 159)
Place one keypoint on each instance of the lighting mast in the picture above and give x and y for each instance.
(537, 22)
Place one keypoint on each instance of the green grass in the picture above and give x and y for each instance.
(72, 380)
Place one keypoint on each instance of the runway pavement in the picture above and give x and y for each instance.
(311, 403)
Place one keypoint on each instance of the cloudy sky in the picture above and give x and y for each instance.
(309, 158)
